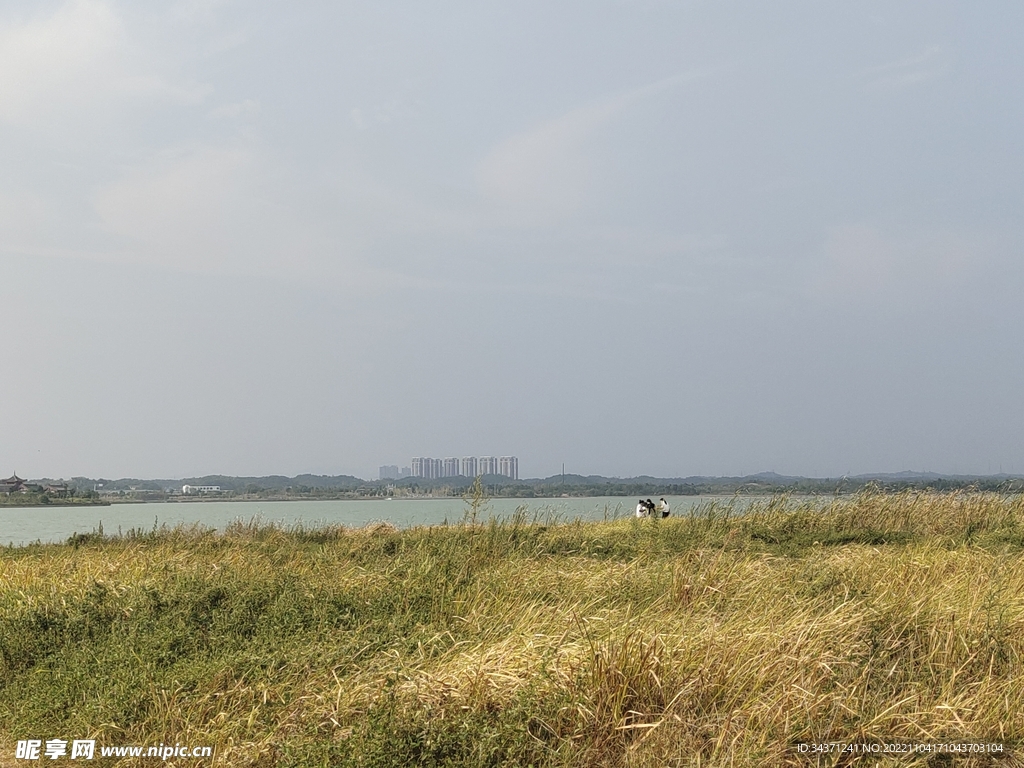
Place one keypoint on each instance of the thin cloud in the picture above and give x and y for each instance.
(198, 209)
(905, 72)
(219, 209)
(77, 58)
(546, 171)
(246, 108)
(862, 263)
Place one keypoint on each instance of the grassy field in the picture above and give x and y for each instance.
(711, 640)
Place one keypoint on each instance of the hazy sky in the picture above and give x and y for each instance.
(668, 238)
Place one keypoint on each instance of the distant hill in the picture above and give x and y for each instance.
(554, 485)
(226, 482)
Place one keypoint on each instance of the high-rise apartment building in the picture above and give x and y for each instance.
(389, 472)
(509, 467)
(427, 468)
(469, 466)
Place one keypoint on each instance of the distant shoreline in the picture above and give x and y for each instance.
(275, 488)
(456, 496)
(7, 505)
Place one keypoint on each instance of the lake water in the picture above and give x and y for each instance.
(24, 525)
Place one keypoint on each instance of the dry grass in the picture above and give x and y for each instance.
(714, 640)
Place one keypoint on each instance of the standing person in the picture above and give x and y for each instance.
(641, 509)
(663, 506)
(650, 508)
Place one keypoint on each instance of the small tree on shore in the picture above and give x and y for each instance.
(476, 502)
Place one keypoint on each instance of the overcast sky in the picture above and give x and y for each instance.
(665, 238)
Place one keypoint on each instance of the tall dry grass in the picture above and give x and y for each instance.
(724, 638)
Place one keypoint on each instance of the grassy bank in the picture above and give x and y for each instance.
(710, 640)
(17, 500)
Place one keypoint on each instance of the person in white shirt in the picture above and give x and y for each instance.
(663, 507)
(641, 509)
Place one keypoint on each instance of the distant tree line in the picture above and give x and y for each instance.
(349, 487)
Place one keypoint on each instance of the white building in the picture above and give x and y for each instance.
(427, 468)
(468, 466)
(509, 467)
(193, 489)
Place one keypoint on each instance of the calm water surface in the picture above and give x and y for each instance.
(54, 524)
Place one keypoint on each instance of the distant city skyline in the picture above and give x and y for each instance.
(468, 466)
